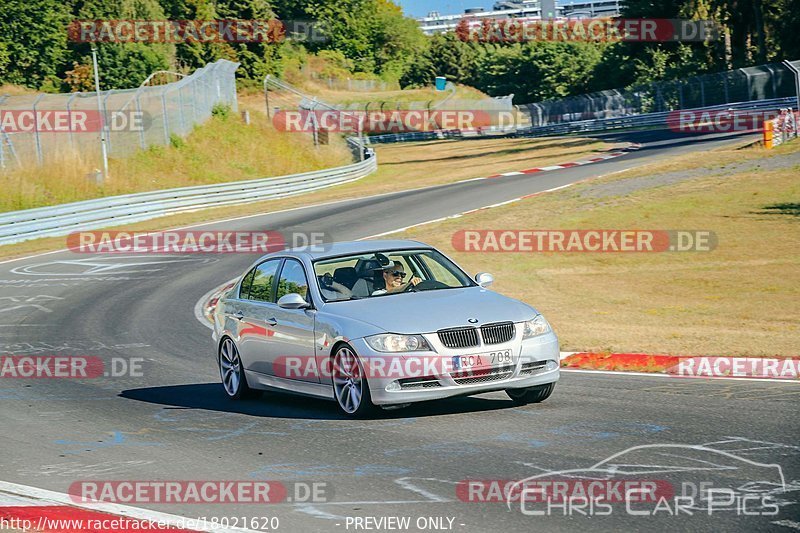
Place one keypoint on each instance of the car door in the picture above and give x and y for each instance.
(291, 349)
(258, 303)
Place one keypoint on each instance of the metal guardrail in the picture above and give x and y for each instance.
(63, 219)
(580, 126)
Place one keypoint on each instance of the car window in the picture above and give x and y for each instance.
(439, 271)
(434, 270)
(293, 279)
(246, 283)
(263, 282)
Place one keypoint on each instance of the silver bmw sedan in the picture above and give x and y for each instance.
(378, 324)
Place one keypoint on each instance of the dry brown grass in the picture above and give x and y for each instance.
(221, 150)
(741, 299)
(14, 90)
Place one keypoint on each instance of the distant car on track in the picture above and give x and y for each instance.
(323, 323)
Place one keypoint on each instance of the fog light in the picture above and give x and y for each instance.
(393, 386)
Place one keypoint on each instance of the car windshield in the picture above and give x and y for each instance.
(385, 273)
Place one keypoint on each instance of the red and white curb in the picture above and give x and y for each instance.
(771, 369)
(30, 508)
(610, 155)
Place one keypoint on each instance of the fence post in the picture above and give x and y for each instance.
(266, 94)
(105, 118)
(314, 124)
(194, 101)
(725, 87)
(796, 72)
(702, 92)
(184, 129)
(164, 115)
(39, 156)
(747, 78)
(69, 114)
(142, 144)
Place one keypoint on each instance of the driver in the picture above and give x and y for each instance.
(393, 275)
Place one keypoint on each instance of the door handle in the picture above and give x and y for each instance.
(238, 315)
(272, 321)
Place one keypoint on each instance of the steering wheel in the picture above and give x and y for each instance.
(426, 285)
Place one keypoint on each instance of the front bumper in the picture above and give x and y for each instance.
(536, 363)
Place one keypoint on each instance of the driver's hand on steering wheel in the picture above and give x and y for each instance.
(415, 280)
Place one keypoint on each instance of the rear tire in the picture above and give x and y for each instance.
(532, 394)
(234, 381)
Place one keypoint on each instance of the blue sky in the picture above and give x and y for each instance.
(420, 8)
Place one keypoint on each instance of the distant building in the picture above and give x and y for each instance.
(530, 9)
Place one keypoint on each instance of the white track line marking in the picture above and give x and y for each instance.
(47, 497)
(787, 523)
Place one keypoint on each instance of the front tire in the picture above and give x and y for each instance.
(232, 373)
(350, 386)
(532, 394)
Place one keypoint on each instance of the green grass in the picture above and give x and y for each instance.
(743, 298)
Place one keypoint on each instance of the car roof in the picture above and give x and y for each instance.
(336, 249)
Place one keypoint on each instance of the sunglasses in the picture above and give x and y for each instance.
(397, 273)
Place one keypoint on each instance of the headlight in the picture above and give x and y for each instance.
(390, 342)
(533, 328)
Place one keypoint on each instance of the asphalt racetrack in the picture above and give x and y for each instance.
(174, 422)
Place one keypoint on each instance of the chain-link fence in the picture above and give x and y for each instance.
(36, 128)
(348, 84)
(742, 85)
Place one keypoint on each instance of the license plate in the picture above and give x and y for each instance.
(483, 360)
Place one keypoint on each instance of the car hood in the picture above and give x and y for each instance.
(428, 311)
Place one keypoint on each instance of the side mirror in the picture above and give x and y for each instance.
(484, 279)
(292, 301)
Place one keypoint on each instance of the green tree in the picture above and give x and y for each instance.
(125, 65)
(33, 35)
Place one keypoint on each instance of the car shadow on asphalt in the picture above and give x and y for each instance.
(210, 397)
